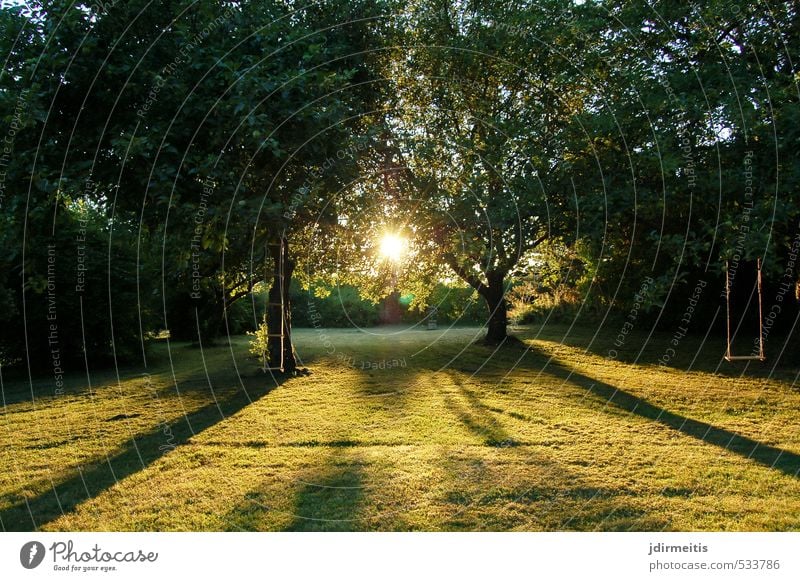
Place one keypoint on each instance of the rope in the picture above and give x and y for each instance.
(728, 352)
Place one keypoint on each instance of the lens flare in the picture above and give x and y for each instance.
(393, 247)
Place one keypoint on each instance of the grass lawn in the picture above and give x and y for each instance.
(411, 430)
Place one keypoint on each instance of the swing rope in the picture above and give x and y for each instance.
(729, 356)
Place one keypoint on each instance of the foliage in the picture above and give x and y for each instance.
(457, 305)
(210, 129)
(259, 343)
(645, 142)
(675, 165)
(85, 297)
(478, 131)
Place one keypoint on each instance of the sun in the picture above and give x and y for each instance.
(393, 247)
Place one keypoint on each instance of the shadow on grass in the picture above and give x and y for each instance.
(764, 454)
(552, 499)
(476, 417)
(329, 503)
(326, 501)
(18, 388)
(539, 361)
(136, 454)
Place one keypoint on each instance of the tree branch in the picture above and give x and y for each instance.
(538, 241)
(465, 275)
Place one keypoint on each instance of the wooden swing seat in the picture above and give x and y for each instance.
(745, 358)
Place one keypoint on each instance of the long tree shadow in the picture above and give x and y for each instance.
(563, 500)
(136, 454)
(477, 417)
(769, 456)
(329, 503)
(523, 355)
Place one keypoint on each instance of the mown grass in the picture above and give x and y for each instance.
(411, 430)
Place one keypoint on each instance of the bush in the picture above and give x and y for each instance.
(529, 303)
(259, 343)
(343, 307)
(458, 305)
(81, 300)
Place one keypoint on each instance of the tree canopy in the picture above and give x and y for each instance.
(153, 159)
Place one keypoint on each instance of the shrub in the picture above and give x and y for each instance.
(259, 342)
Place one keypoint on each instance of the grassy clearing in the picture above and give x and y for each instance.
(412, 430)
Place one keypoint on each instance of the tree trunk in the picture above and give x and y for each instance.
(274, 312)
(389, 310)
(494, 295)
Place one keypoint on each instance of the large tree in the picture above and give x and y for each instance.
(685, 161)
(209, 126)
(485, 91)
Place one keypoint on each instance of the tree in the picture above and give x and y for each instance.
(211, 128)
(69, 274)
(484, 93)
(682, 161)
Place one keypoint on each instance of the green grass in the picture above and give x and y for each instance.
(444, 435)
